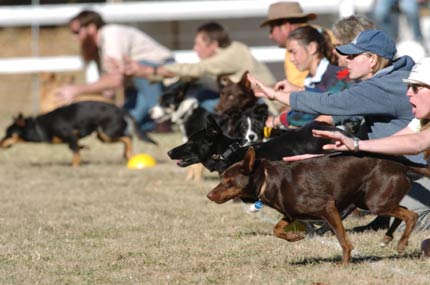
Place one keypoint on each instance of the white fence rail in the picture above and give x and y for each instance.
(41, 15)
(167, 10)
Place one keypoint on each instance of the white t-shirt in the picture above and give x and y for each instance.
(118, 40)
(415, 125)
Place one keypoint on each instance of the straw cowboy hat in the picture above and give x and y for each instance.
(284, 11)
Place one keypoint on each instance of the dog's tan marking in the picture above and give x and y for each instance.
(128, 149)
(56, 140)
(102, 136)
(76, 160)
(7, 142)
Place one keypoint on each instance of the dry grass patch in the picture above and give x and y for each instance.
(105, 224)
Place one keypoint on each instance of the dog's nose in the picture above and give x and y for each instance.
(252, 137)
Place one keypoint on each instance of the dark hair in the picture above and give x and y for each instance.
(215, 32)
(87, 17)
(307, 34)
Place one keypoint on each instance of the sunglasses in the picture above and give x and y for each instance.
(416, 87)
(352, 56)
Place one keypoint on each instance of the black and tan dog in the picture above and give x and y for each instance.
(70, 123)
(321, 188)
(217, 152)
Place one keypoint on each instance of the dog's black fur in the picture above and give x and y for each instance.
(70, 123)
(217, 152)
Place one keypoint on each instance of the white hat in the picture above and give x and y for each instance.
(420, 72)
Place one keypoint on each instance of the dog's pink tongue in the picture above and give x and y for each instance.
(178, 162)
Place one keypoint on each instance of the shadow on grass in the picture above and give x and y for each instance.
(357, 260)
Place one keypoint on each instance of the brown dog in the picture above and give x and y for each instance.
(238, 96)
(50, 82)
(320, 188)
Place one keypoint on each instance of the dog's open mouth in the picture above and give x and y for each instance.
(184, 162)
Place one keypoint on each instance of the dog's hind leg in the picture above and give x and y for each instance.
(410, 218)
(128, 149)
(279, 231)
(325, 226)
(389, 234)
(331, 215)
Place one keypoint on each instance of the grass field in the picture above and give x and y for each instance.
(105, 224)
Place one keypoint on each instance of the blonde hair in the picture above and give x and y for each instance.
(381, 63)
(424, 125)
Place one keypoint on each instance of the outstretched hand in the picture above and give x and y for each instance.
(260, 90)
(342, 142)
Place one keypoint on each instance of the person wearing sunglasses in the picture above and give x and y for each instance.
(378, 96)
(413, 139)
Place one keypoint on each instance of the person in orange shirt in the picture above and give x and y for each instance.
(283, 18)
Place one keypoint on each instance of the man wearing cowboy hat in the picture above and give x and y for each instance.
(283, 18)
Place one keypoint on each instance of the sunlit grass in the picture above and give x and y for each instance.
(105, 224)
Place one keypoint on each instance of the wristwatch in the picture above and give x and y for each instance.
(356, 148)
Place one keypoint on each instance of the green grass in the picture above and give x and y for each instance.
(105, 224)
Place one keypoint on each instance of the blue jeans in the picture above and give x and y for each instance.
(140, 100)
(388, 21)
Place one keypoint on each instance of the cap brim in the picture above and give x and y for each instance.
(412, 81)
(349, 49)
(310, 17)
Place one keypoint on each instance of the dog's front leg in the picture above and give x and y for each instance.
(74, 146)
(332, 216)
(279, 231)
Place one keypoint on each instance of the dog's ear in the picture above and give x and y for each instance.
(20, 120)
(248, 161)
(245, 82)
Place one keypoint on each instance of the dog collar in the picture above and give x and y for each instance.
(231, 149)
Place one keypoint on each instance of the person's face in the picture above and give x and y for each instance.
(301, 56)
(279, 33)
(74, 28)
(360, 65)
(203, 46)
(419, 98)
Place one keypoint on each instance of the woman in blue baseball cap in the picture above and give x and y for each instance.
(378, 95)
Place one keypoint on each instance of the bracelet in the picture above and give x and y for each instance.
(154, 70)
(356, 147)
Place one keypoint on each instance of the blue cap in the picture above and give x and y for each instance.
(374, 41)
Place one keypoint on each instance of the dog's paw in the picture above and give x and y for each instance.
(385, 241)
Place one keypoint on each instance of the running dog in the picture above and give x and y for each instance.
(320, 188)
(70, 123)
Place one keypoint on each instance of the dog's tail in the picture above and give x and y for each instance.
(143, 136)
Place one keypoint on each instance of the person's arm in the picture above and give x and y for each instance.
(106, 82)
(263, 91)
(405, 144)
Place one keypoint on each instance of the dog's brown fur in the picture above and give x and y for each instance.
(239, 96)
(49, 84)
(320, 188)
